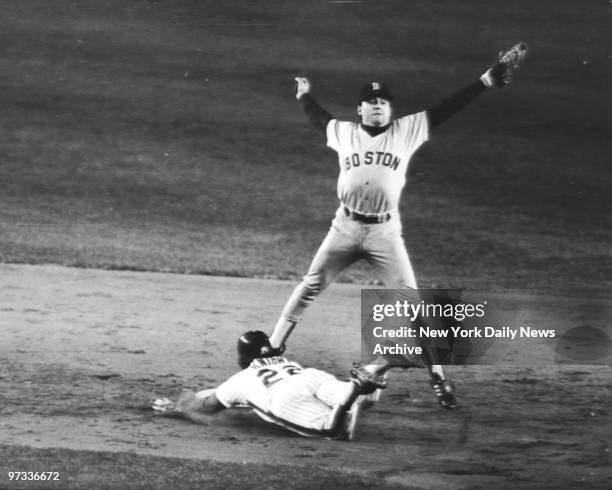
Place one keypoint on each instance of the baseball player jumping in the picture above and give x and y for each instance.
(311, 402)
(373, 157)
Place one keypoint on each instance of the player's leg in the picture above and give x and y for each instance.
(342, 420)
(387, 252)
(295, 403)
(338, 250)
(343, 398)
(327, 388)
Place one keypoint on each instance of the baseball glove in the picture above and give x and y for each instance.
(500, 74)
(513, 57)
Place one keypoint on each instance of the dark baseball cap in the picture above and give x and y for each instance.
(372, 90)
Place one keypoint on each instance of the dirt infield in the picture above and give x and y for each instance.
(84, 352)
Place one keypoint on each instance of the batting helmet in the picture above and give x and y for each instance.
(251, 345)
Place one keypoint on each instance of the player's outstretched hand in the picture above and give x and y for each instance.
(302, 86)
(499, 75)
(164, 406)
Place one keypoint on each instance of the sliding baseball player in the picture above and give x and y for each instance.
(308, 401)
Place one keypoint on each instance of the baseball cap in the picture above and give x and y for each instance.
(372, 90)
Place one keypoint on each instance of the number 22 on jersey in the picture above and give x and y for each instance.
(272, 374)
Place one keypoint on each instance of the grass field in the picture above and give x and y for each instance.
(165, 136)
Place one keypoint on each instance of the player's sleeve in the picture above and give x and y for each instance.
(232, 392)
(192, 405)
(317, 116)
(337, 131)
(453, 104)
(414, 130)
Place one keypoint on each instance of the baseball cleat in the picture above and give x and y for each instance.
(368, 401)
(366, 382)
(444, 391)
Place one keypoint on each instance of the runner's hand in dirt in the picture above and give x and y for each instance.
(164, 406)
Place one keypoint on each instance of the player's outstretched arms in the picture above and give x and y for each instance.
(190, 406)
(317, 116)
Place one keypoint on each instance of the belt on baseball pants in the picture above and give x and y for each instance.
(366, 218)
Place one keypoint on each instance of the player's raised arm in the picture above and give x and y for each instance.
(441, 112)
(499, 75)
(318, 116)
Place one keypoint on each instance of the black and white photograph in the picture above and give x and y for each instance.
(357, 244)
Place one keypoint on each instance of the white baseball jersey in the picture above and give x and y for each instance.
(283, 392)
(373, 168)
(255, 384)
